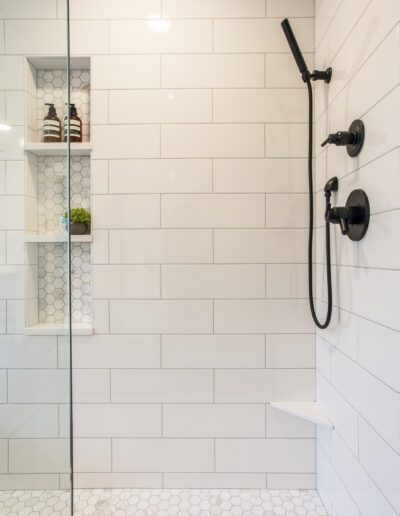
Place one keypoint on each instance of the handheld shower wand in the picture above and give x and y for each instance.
(316, 75)
(307, 77)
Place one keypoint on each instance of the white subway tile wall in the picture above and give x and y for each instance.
(198, 127)
(358, 358)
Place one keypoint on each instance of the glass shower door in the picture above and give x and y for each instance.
(35, 248)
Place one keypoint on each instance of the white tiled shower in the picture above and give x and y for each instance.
(199, 315)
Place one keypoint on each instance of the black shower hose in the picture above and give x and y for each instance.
(325, 324)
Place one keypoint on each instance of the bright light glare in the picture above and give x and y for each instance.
(5, 127)
(159, 25)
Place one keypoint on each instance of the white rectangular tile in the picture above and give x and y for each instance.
(281, 425)
(280, 209)
(99, 106)
(38, 386)
(161, 386)
(381, 248)
(102, 9)
(212, 351)
(213, 281)
(20, 352)
(116, 351)
(212, 71)
(39, 455)
(343, 416)
(156, 36)
(117, 420)
(263, 386)
(214, 480)
(261, 316)
(260, 246)
(212, 141)
(29, 481)
(259, 106)
(126, 141)
(28, 421)
(261, 35)
(3, 386)
(381, 462)
(12, 73)
(379, 352)
(286, 140)
(219, 420)
(126, 281)
(292, 8)
(111, 72)
(3, 456)
(362, 488)
(15, 247)
(126, 211)
(287, 281)
(213, 210)
(160, 176)
(173, 455)
(92, 455)
(281, 73)
(37, 34)
(151, 317)
(116, 480)
(290, 351)
(213, 9)
(160, 106)
(260, 175)
(100, 247)
(161, 246)
(291, 481)
(269, 455)
(101, 316)
(91, 385)
(89, 37)
(44, 9)
(382, 410)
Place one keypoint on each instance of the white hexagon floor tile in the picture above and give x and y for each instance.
(163, 502)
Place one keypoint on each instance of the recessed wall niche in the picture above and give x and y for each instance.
(46, 200)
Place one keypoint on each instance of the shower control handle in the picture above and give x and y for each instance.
(353, 139)
(353, 218)
(340, 138)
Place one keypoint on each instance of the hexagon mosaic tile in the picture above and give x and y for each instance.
(163, 502)
(53, 280)
(53, 189)
(52, 88)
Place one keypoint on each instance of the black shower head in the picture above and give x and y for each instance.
(316, 75)
(294, 47)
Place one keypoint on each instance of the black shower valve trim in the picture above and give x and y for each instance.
(353, 139)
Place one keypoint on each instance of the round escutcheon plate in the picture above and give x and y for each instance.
(359, 199)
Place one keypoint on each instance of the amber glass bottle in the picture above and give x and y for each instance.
(51, 126)
(75, 124)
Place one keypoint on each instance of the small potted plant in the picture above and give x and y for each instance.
(79, 221)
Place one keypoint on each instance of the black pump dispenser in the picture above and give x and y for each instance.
(51, 125)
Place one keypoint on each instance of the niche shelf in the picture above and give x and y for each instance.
(58, 149)
(59, 329)
(311, 411)
(34, 238)
(46, 173)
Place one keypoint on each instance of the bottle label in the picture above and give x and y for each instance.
(51, 128)
(75, 127)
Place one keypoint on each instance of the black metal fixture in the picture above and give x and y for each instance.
(353, 139)
(307, 78)
(306, 75)
(353, 218)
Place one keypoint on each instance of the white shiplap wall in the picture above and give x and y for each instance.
(358, 358)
